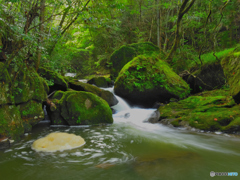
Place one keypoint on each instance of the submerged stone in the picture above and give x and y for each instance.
(4, 143)
(58, 142)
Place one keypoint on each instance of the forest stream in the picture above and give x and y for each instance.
(128, 149)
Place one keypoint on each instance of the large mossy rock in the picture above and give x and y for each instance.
(212, 111)
(80, 108)
(5, 85)
(22, 92)
(11, 123)
(55, 80)
(106, 95)
(100, 82)
(231, 67)
(126, 53)
(209, 77)
(146, 80)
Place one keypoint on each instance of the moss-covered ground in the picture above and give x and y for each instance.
(213, 111)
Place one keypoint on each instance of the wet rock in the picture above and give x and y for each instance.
(127, 115)
(4, 143)
(106, 95)
(80, 108)
(101, 82)
(154, 118)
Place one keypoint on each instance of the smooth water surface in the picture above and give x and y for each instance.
(128, 149)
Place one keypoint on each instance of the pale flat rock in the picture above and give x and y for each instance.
(58, 142)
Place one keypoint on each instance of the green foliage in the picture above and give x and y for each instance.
(187, 58)
(142, 79)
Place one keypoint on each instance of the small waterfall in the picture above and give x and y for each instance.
(122, 104)
(70, 74)
(46, 117)
(125, 113)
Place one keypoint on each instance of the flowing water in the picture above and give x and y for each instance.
(129, 149)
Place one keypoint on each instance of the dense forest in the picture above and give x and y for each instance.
(119, 89)
(156, 51)
(80, 36)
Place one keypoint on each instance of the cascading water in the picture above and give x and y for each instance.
(129, 149)
(137, 118)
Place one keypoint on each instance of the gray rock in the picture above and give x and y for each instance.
(4, 144)
(154, 118)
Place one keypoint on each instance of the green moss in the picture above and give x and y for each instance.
(206, 113)
(209, 58)
(231, 66)
(10, 122)
(5, 85)
(217, 92)
(106, 95)
(31, 112)
(234, 125)
(100, 81)
(83, 108)
(53, 77)
(22, 92)
(146, 72)
(126, 53)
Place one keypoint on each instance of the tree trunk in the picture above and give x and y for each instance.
(41, 30)
(183, 9)
(158, 25)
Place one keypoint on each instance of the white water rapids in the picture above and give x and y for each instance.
(135, 120)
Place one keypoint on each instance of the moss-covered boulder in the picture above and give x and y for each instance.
(28, 85)
(213, 111)
(55, 80)
(31, 112)
(146, 80)
(106, 95)
(80, 108)
(100, 81)
(231, 67)
(11, 122)
(22, 92)
(126, 53)
(5, 85)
